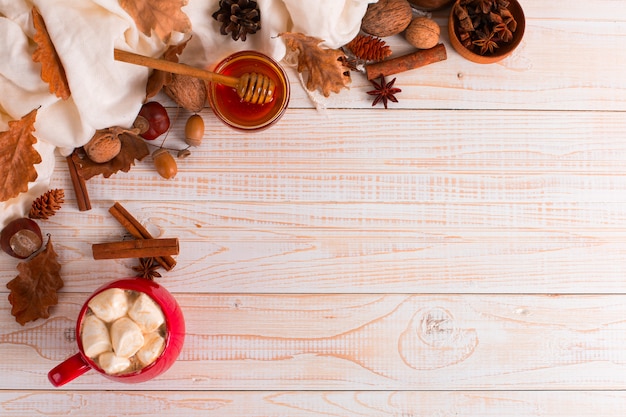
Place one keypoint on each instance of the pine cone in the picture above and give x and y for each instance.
(238, 17)
(369, 48)
(47, 204)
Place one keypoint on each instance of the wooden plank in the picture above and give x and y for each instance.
(399, 157)
(317, 403)
(430, 247)
(358, 342)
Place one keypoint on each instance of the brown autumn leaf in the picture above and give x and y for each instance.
(133, 148)
(52, 71)
(18, 156)
(325, 67)
(162, 16)
(34, 290)
(159, 78)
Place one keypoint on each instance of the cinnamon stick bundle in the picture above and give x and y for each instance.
(140, 248)
(137, 230)
(408, 62)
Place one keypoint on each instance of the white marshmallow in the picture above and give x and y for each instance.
(126, 337)
(113, 364)
(146, 313)
(95, 336)
(110, 304)
(152, 348)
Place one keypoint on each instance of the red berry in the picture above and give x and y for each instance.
(157, 117)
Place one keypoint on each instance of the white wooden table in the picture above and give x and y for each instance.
(462, 253)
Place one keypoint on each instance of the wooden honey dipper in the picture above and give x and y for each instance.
(251, 87)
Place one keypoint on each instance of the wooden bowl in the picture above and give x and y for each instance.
(430, 4)
(500, 53)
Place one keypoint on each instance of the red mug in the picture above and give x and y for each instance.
(80, 363)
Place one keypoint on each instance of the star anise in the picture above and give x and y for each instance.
(486, 42)
(384, 91)
(147, 269)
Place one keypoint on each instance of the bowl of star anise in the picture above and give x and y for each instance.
(486, 31)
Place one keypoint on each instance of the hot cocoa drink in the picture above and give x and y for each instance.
(123, 331)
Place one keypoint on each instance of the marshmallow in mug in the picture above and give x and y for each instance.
(123, 331)
(113, 364)
(95, 337)
(146, 313)
(126, 337)
(110, 305)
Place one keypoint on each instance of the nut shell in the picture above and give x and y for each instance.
(423, 33)
(188, 92)
(103, 147)
(21, 238)
(387, 18)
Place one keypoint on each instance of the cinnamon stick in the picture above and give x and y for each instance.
(139, 248)
(408, 62)
(136, 229)
(79, 184)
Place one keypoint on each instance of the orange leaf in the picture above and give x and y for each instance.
(325, 68)
(158, 78)
(133, 148)
(162, 16)
(52, 71)
(18, 156)
(34, 290)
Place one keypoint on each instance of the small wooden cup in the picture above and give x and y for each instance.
(500, 53)
(430, 4)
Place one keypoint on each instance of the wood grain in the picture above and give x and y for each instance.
(318, 403)
(426, 247)
(350, 341)
(462, 253)
(397, 156)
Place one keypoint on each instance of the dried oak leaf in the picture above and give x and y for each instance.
(18, 156)
(133, 148)
(34, 290)
(159, 78)
(52, 71)
(325, 67)
(162, 16)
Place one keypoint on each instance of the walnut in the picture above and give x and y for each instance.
(423, 33)
(188, 92)
(387, 18)
(103, 146)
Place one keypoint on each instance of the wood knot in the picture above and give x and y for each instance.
(436, 327)
(433, 340)
(70, 334)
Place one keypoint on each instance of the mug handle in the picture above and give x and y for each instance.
(69, 369)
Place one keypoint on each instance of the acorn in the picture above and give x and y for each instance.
(164, 163)
(21, 238)
(194, 130)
